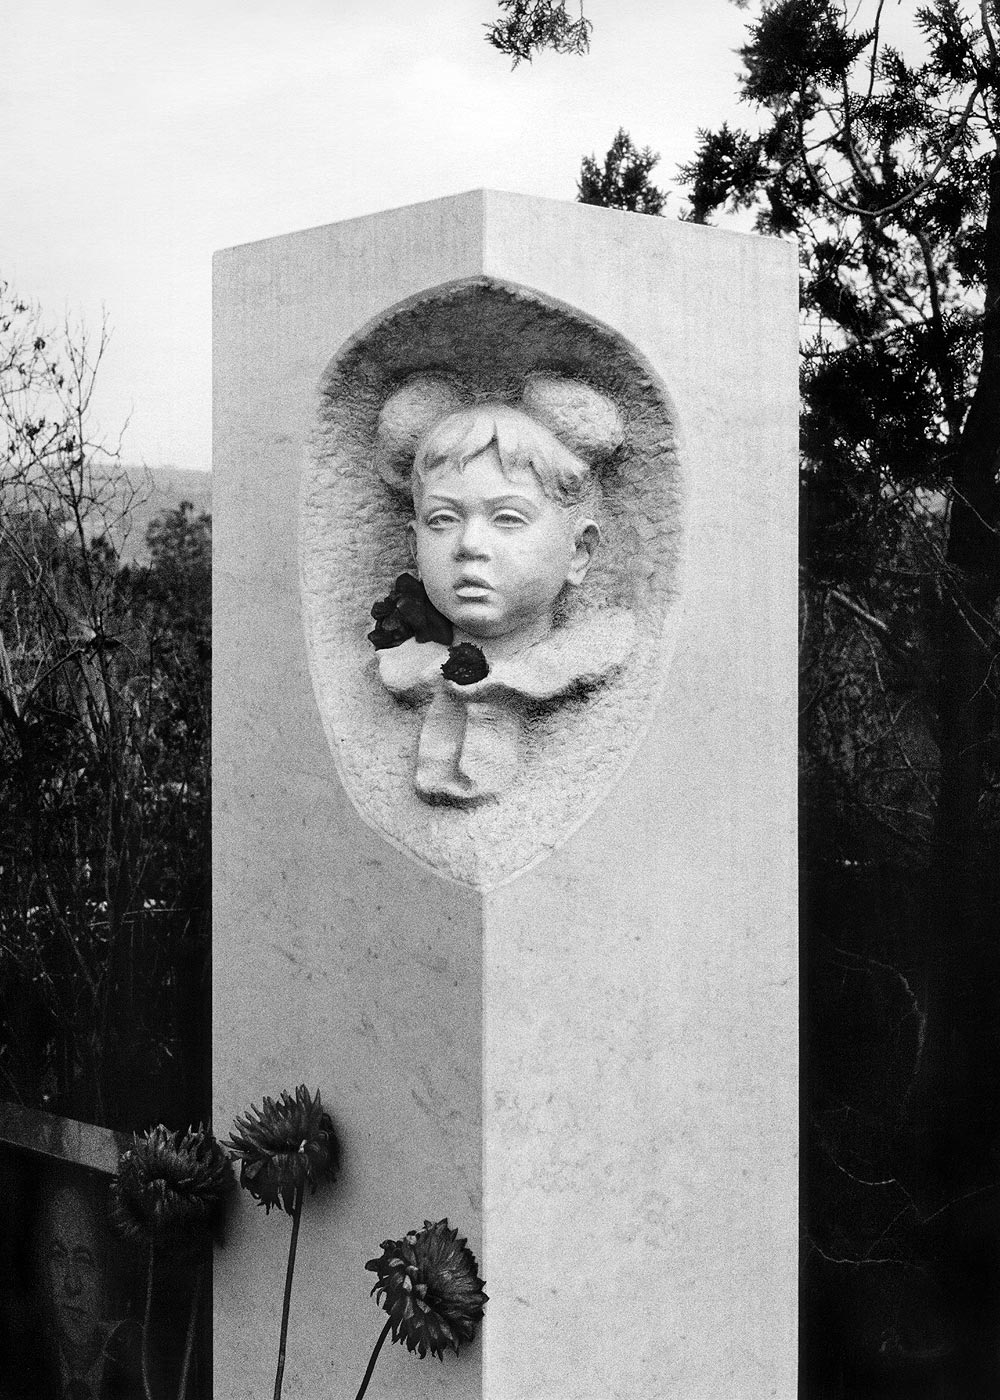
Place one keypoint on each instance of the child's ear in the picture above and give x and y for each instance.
(411, 540)
(587, 536)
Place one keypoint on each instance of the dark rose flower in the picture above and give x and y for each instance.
(170, 1189)
(408, 612)
(285, 1145)
(466, 664)
(428, 1284)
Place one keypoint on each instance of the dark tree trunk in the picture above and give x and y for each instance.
(967, 702)
(960, 1131)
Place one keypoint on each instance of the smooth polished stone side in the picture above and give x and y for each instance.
(337, 961)
(640, 1028)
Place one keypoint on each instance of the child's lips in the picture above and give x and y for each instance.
(472, 588)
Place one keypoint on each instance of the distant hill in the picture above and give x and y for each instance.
(157, 489)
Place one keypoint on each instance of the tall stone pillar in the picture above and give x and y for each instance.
(560, 1010)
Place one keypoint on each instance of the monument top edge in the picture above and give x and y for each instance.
(469, 199)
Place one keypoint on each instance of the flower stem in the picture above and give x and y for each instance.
(189, 1339)
(144, 1347)
(292, 1245)
(373, 1358)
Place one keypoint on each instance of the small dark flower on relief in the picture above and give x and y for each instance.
(408, 612)
(170, 1189)
(428, 1283)
(466, 664)
(284, 1145)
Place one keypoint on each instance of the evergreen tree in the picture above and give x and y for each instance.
(530, 26)
(887, 171)
(623, 181)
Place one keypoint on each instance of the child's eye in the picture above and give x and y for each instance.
(440, 520)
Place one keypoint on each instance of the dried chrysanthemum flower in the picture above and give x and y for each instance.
(170, 1188)
(284, 1146)
(466, 664)
(428, 1284)
(408, 612)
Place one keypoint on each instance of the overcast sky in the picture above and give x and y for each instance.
(137, 138)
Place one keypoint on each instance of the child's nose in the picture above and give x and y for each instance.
(472, 541)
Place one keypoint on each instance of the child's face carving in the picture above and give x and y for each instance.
(494, 552)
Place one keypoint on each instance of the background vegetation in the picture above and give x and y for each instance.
(881, 159)
(104, 760)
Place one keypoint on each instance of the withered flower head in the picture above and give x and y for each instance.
(428, 1284)
(466, 664)
(407, 612)
(285, 1145)
(170, 1189)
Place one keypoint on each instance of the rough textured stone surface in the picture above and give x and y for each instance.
(486, 340)
(590, 1067)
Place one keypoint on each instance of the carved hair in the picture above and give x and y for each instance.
(522, 444)
(560, 431)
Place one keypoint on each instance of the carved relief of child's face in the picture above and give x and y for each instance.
(494, 552)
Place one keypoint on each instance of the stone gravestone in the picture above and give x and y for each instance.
(516, 892)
